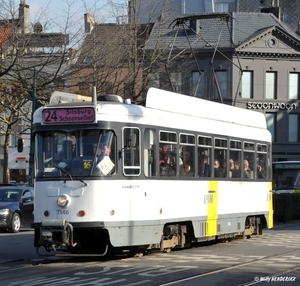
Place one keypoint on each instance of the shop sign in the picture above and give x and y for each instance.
(271, 105)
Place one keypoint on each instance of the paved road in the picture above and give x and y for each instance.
(274, 255)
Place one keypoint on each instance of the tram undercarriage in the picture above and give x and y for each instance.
(59, 235)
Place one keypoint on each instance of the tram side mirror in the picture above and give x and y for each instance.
(132, 140)
(20, 145)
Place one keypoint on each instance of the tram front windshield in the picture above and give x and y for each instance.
(286, 178)
(75, 153)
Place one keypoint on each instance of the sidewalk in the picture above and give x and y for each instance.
(288, 224)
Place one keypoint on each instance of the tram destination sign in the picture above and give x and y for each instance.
(287, 166)
(68, 115)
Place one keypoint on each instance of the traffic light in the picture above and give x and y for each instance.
(20, 145)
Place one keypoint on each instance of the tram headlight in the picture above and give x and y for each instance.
(63, 200)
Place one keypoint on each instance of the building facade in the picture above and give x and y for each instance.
(249, 60)
(288, 11)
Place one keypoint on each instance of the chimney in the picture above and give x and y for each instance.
(24, 17)
(274, 9)
(89, 23)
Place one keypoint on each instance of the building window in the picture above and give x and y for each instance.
(293, 127)
(176, 81)
(221, 85)
(247, 84)
(271, 119)
(294, 86)
(198, 83)
(16, 132)
(221, 7)
(271, 85)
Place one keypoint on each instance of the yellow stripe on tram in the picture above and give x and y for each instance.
(212, 208)
(270, 206)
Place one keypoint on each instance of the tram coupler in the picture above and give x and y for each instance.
(56, 232)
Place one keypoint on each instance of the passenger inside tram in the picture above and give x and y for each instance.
(166, 168)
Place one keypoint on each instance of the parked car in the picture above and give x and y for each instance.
(16, 207)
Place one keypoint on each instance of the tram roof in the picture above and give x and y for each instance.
(182, 104)
(160, 101)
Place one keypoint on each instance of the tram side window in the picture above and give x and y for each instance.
(261, 161)
(249, 160)
(149, 153)
(187, 155)
(220, 158)
(131, 151)
(204, 156)
(167, 153)
(235, 158)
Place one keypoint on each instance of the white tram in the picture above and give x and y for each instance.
(158, 186)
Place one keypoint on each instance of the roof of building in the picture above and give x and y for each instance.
(214, 28)
(290, 10)
(109, 43)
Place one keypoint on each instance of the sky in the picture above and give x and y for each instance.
(56, 13)
(67, 16)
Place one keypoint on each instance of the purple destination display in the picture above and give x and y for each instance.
(69, 115)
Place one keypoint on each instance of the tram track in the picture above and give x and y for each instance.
(232, 262)
(239, 266)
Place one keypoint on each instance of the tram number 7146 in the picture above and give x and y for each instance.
(62, 212)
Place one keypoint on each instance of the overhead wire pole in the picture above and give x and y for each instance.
(223, 17)
(32, 147)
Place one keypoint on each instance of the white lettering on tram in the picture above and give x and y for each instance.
(208, 198)
(131, 186)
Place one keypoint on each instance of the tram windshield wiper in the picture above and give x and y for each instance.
(61, 166)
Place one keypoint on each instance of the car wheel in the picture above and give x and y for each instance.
(15, 223)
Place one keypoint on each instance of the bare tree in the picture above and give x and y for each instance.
(43, 53)
(29, 57)
(113, 56)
